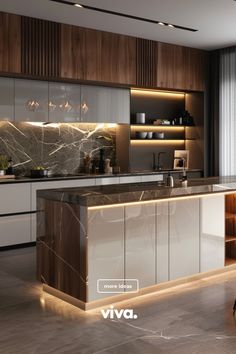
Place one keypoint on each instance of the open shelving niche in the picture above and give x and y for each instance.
(166, 106)
(230, 229)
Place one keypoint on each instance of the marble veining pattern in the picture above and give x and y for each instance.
(124, 193)
(58, 147)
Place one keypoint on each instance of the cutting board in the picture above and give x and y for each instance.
(7, 176)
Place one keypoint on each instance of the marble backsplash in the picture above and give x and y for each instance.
(58, 147)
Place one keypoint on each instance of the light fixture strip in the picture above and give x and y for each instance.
(125, 15)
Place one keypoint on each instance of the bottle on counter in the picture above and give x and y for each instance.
(184, 179)
(101, 166)
(170, 180)
(108, 168)
(10, 170)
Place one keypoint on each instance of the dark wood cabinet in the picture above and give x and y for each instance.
(98, 56)
(40, 47)
(146, 72)
(170, 66)
(45, 49)
(118, 58)
(180, 67)
(10, 43)
(80, 53)
(195, 69)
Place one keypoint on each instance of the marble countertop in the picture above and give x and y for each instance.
(86, 176)
(126, 193)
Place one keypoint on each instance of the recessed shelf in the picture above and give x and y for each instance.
(153, 128)
(230, 238)
(157, 141)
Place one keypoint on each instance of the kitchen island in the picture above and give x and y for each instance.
(101, 244)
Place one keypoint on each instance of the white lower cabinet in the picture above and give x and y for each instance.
(162, 242)
(130, 179)
(14, 198)
(140, 244)
(105, 248)
(212, 233)
(33, 227)
(14, 229)
(107, 181)
(184, 238)
(152, 178)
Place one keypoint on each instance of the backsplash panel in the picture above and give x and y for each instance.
(58, 147)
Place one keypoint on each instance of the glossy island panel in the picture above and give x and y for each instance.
(157, 242)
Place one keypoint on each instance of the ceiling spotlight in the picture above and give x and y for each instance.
(124, 15)
(170, 25)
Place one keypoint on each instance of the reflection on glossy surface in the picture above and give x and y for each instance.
(192, 318)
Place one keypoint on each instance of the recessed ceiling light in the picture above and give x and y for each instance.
(120, 14)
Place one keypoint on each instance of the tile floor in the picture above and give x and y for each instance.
(192, 319)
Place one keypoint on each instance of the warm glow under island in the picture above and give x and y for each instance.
(102, 244)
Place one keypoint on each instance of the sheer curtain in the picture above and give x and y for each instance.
(227, 88)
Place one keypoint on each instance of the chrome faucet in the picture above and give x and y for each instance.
(157, 166)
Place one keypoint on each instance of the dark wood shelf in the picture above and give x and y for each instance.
(159, 140)
(160, 126)
(230, 238)
(230, 215)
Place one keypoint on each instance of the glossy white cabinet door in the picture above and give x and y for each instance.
(105, 104)
(57, 184)
(64, 102)
(14, 198)
(14, 230)
(131, 179)
(107, 181)
(6, 99)
(105, 248)
(162, 242)
(33, 227)
(31, 100)
(184, 238)
(212, 235)
(140, 244)
(152, 178)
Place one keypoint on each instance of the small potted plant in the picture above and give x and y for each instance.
(3, 164)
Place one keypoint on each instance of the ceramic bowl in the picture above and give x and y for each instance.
(141, 135)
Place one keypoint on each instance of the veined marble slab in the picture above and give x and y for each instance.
(127, 193)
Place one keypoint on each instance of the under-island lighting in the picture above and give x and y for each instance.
(167, 199)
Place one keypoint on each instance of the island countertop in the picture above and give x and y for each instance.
(140, 192)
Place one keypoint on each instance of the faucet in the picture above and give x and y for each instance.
(157, 166)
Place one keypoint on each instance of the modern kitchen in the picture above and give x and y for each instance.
(117, 177)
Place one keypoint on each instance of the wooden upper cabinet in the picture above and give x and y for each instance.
(80, 53)
(180, 67)
(10, 43)
(146, 57)
(97, 56)
(118, 58)
(40, 47)
(170, 66)
(195, 69)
